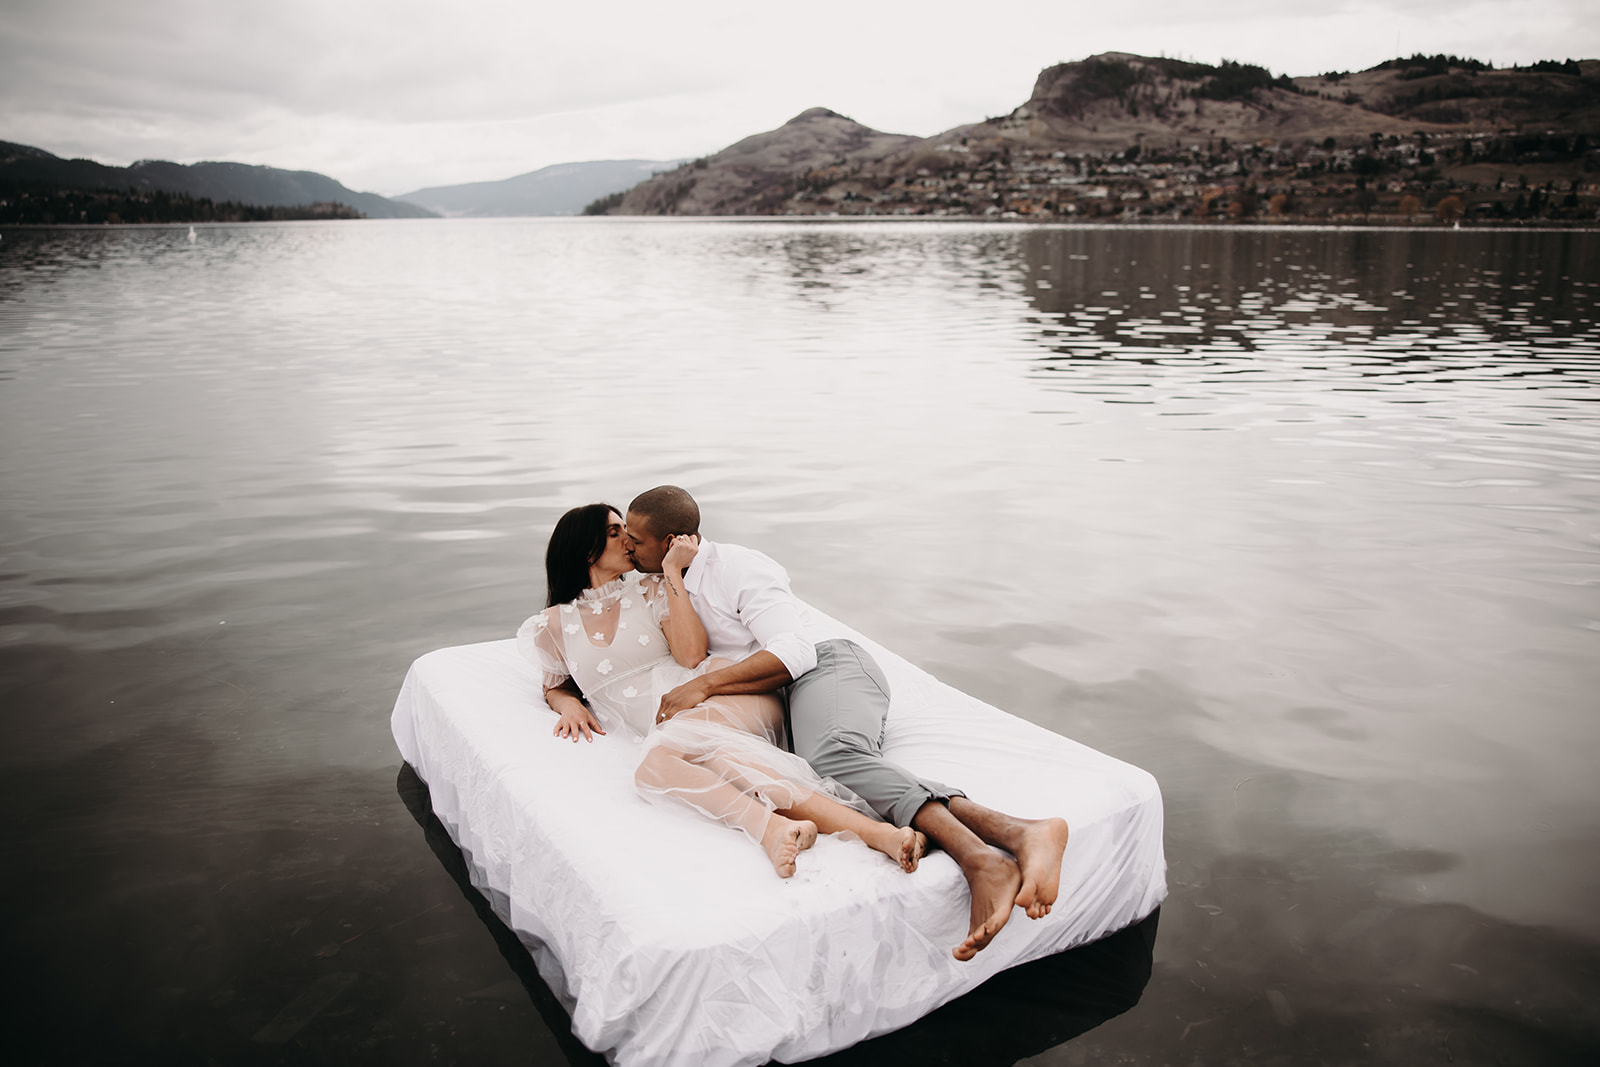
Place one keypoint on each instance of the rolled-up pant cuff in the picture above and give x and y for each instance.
(902, 811)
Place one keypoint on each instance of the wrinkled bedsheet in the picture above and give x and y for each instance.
(672, 941)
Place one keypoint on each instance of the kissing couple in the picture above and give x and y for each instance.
(689, 646)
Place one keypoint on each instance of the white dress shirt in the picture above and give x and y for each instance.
(742, 597)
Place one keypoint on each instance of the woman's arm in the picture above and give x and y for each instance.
(541, 646)
(684, 633)
(573, 716)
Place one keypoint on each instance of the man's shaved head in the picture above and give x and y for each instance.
(654, 518)
(668, 509)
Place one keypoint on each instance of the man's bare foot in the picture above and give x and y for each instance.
(900, 843)
(784, 839)
(1043, 842)
(993, 881)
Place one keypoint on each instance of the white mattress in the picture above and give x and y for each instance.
(672, 941)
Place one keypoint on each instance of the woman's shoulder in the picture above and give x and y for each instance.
(544, 620)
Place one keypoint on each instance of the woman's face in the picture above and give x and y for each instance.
(615, 556)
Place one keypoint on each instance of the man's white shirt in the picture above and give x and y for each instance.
(743, 599)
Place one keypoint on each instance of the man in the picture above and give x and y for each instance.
(838, 701)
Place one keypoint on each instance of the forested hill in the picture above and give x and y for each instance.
(25, 170)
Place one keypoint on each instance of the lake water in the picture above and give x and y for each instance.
(1305, 522)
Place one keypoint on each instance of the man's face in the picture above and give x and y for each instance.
(646, 549)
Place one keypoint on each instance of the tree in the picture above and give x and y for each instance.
(1449, 210)
(1410, 205)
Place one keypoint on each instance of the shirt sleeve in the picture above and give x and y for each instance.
(773, 616)
(540, 645)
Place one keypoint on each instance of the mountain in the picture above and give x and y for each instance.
(1447, 90)
(755, 176)
(27, 167)
(562, 189)
(1192, 127)
(1115, 99)
(1112, 100)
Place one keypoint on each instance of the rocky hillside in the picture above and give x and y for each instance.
(757, 175)
(35, 171)
(1116, 100)
(1463, 93)
(1098, 116)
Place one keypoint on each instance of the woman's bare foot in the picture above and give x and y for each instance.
(1043, 843)
(784, 839)
(993, 879)
(900, 843)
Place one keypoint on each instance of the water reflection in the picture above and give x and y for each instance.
(1218, 310)
(1303, 522)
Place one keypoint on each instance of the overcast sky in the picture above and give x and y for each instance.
(393, 95)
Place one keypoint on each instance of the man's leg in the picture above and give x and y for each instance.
(1038, 845)
(837, 713)
(836, 720)
(993, 878)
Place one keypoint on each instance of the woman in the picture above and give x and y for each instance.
(625, 639)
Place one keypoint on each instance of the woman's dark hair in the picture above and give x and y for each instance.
(576, 544)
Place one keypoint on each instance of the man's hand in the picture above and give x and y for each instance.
(688, 695)
(576, 719)
(682, 552)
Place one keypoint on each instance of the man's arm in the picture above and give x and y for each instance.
(760, 672)
(776, 620)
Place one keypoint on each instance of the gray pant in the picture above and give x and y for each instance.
(837, 712)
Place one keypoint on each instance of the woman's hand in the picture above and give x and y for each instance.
(681, 552)
(578, 720)
(573, 716)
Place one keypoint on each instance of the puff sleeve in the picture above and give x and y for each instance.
(540, 644)
(656, 597)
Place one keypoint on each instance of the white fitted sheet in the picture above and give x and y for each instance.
(671, 940)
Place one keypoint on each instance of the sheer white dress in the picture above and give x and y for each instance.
(724, 758)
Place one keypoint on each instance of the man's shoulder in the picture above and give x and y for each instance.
(739, 561)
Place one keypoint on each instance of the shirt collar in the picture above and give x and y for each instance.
(694, 577)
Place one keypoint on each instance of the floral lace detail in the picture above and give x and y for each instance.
(617, 676)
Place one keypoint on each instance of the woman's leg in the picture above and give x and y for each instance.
(900, 843)
(795, 800)
(666, 772)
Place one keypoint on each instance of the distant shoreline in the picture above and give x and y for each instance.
(1144, 223)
